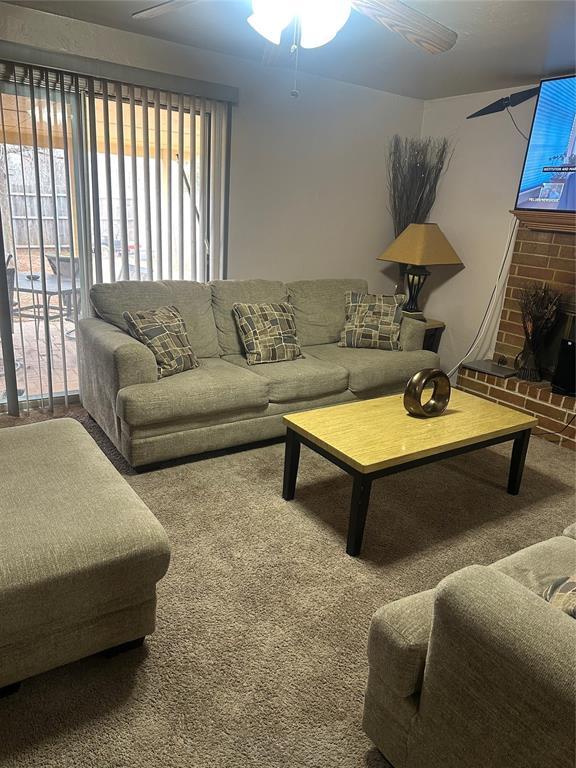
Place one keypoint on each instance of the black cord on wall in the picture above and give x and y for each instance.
(516, 124)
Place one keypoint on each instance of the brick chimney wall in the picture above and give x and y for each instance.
(538, 257)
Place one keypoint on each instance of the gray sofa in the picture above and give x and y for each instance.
(479, 672)
(225, 402)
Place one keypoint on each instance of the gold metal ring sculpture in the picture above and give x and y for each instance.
(438, 403)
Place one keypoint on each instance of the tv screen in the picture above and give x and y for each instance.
(548, 180)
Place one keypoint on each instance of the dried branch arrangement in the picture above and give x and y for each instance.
(540, 309)
(414, 170)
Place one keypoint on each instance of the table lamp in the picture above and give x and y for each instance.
(419, 246)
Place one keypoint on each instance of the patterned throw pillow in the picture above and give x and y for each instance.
(562, 594)
(372, 321)
(268, 332)
(164, 332)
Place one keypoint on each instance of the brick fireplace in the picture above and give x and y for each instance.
(539, 257)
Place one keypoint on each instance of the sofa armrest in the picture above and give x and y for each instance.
(111, 353)
(412, 334)
(109, 360)
(398, 642)
(499, 679)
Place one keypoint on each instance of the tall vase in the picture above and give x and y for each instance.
(526, 363)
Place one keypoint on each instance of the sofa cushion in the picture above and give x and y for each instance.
(536, 567)
(163, 331)
(374, 371)
(372, 321)
(194, 301)
(226, 293)
(412, 333)
(320, 308)
(268, 332)
(75, 543)
(304, 379)
(214, 388)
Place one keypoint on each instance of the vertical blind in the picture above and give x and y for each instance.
(100, 181)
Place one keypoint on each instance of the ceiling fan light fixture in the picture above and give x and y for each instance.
(267, 28)
(321, 20)
(271, 17)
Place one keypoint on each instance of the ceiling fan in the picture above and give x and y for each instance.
(415, 27)
(506, 102)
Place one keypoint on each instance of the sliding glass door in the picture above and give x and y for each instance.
(149, 170)
(99, 181)
(37, 200)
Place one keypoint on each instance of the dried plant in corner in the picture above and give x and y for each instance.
(540, 308)
(414, 170)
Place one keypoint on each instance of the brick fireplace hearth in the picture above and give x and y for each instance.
(538, 257)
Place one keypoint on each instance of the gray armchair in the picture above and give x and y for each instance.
(479, 672)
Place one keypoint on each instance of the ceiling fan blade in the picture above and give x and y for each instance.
(496, 106)
(415, 27)
(520, 96)
(507, 101)
(160, 8)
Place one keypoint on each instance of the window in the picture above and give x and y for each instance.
(99, 181)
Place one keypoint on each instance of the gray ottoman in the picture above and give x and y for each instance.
(80, 553)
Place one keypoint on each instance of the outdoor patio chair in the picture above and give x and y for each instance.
(63, 267)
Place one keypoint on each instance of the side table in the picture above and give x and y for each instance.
(434, 331)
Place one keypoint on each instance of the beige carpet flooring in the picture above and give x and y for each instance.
(259, 659)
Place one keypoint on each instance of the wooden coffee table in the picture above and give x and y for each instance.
(373, 438)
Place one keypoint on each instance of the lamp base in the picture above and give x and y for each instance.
(400, 286)
(416, 277)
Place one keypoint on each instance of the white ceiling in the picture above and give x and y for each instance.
(501, 43)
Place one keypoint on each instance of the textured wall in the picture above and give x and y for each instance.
(473, 209)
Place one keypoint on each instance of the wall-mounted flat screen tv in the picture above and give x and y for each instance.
(548, 180)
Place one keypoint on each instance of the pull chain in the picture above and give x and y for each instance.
(295, 51)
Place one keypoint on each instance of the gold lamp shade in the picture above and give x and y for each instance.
(421, 245)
